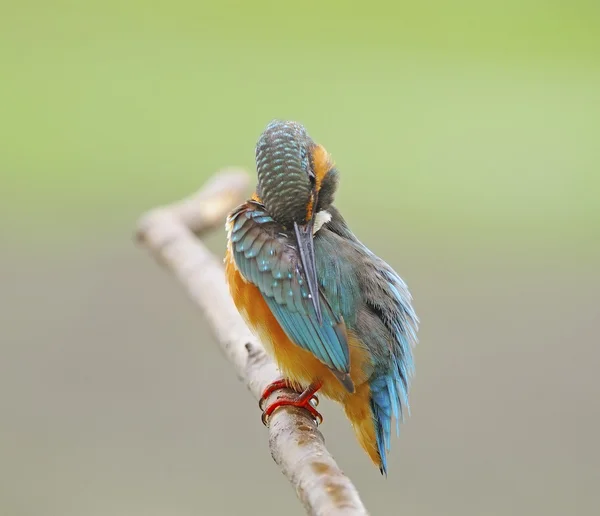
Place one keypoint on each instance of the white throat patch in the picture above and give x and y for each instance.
(321, 218)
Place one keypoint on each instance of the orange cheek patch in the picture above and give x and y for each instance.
(322, 163)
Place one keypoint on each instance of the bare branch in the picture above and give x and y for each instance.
(296, 444)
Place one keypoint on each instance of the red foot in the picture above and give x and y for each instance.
(271, 388)
(306, 400)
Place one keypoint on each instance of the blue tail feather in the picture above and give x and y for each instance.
(389, 398)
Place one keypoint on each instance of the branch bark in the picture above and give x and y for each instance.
(171, 234)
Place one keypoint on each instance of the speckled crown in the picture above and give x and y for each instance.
(283, 164)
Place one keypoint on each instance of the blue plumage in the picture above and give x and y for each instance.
(266, 256)
(389, 390)
(384, 321)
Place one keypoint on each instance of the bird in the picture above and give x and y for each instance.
(336, 318)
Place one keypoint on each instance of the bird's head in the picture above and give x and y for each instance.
(296, 176)
(296, 180)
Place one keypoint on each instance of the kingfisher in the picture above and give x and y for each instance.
(335, 317)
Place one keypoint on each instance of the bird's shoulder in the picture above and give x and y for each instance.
(263, 250)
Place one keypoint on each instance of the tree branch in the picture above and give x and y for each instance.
(296, 444)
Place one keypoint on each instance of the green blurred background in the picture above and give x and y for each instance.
(467, 134)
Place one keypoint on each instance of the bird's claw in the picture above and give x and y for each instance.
(307, 400)
(271, 388)
(308, 405)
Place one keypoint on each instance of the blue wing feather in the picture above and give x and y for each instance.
(269, 259)
(389, 390)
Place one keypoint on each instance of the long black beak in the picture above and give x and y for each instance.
(304, 236)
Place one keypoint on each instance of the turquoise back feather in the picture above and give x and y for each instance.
(268, 258)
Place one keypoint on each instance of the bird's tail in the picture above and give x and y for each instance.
(370, 409)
